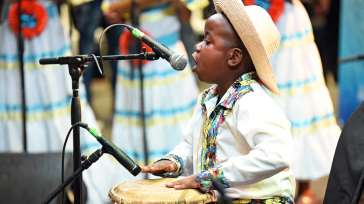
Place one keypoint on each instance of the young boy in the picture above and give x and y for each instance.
(237, 133)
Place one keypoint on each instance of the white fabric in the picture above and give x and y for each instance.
(169, 95)
(48, 92)
(254, 146)
(304, 96)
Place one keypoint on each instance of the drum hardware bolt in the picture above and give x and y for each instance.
(83, 157)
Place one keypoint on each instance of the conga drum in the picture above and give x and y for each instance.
(153, 191)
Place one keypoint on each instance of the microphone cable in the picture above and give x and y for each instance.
(100, 41)
(132, 73)
(107, 147)
(63, 152)
(101, 70)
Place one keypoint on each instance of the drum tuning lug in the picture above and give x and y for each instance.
(83, 157)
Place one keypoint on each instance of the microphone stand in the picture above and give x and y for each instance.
(135, 23)
(75, 71)
(21, 62)
(87, 162)
(76, 66)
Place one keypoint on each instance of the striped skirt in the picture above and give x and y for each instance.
(170, 97)
(304, 97)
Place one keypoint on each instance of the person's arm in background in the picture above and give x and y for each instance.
(321, 7)
(117, 12)
(183, 12)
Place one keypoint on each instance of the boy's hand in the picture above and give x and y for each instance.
(160, 167)
(186, 183)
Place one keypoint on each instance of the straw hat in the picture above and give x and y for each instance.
(258, 33)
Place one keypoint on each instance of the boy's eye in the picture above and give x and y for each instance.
(207, 42)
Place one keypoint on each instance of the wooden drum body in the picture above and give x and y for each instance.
(154, 191)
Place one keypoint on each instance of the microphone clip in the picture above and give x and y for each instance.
(87, 162)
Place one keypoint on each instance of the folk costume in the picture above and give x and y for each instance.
(244, 139)
(233, 143)
(48, 90)
(304, 97)
(169, 95)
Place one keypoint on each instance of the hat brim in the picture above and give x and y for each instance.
(247, 29)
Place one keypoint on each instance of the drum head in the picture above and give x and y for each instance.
(155, 191)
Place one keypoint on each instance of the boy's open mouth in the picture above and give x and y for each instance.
(194, 59)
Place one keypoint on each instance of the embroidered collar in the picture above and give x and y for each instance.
(215, 115)
(229, 97)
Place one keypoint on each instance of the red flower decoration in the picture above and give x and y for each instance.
(31, 8)
(248, 2)
(275, 10)
(125, 43)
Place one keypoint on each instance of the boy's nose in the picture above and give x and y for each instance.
(198, 47)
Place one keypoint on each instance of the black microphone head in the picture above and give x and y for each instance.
(136, 170)
(178, 62)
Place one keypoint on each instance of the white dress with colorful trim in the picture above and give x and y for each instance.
(304, 97)
(48, 92)
(169, 95)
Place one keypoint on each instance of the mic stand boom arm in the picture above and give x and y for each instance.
(76, 66)
(82, 59)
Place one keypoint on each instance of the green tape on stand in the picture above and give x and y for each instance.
(136, 32)
(94, 132)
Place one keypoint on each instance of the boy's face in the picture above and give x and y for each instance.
(210, 55)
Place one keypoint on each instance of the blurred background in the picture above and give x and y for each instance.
(326, 31)
(337, 28)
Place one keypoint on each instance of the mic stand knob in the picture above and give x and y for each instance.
(83, 157)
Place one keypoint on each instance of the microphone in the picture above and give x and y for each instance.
(112, 149)
(177, 61)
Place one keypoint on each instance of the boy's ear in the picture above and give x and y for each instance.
(235, 57)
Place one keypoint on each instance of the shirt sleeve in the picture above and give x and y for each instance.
(182, 154)
(267, 131)
(175, 159)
